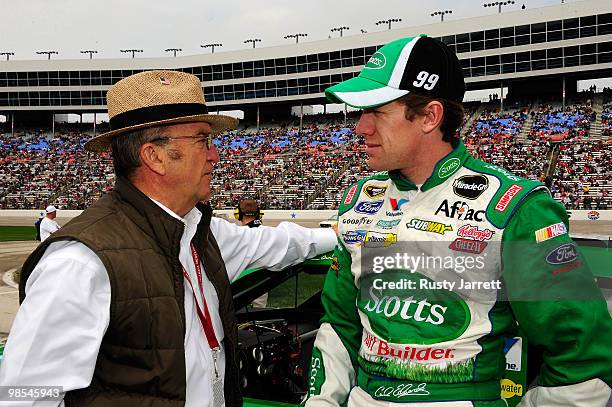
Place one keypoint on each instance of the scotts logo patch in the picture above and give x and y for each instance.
(429, 226)
(368, 208)
(566, 253)
(354, 236)
(422, 315)
(375, 192)
(468, 246)
(376, 239)
(475, 233)
(449, 167)
(470, 186)
(550, 232)
(350, 195)
(376, 61)
(507, 197)
(460, 210)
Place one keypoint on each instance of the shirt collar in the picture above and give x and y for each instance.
(191, 218)
(443, 169)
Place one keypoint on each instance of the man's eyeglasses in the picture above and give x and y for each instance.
(206, 140)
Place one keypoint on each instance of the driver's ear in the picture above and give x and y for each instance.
(433, 114)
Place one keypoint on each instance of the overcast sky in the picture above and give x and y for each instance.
(69, 26)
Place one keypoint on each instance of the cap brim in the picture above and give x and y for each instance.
(363, 93)
(218, 123)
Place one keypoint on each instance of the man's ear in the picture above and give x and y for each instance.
(432, 116)
(154, 158)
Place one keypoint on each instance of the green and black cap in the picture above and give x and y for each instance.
(421, 65)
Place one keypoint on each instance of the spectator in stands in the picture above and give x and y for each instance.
(130, 303)
(48, 224)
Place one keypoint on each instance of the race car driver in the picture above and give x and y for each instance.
(433, 335)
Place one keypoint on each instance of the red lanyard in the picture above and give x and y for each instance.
(204, 317)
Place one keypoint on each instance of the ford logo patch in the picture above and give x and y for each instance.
(566, 253)
(368, 208)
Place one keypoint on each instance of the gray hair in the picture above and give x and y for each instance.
(126, 149)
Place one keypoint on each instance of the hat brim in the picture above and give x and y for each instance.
(218, 123)
(363, 93)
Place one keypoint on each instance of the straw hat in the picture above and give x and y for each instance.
(155, 98)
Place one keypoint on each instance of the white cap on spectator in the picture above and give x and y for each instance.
(50, 209)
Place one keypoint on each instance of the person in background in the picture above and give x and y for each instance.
(37, 225)
(249, 214)
(48, 224)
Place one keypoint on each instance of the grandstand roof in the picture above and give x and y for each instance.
(30, 81)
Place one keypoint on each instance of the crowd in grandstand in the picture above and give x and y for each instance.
(285, 168)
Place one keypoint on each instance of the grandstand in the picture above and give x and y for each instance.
(544, 129)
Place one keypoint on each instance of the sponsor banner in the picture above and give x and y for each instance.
(364, 220)
(373, 191)
(593, 215)
(373, 346)
(510, 389)
(550, 232)
(388, 224)
(368, 208)
(467, 246)
(376, 239)
(566, 253)
(397, 204)
(475, 233)
(507, 197)
(470, 186)
(460, 210)
(354, 236)
(350, 195)
(429, 226)
(513, 348)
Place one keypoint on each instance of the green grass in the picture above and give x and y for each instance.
(13, 233)
(452, 373)
(284, 294)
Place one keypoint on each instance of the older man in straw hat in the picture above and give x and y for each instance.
(129, 304)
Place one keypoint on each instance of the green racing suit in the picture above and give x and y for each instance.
(398, 333)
